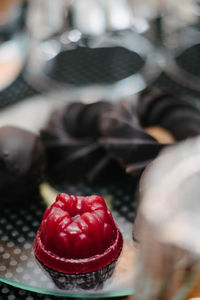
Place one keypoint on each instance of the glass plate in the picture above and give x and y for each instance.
(18, 225)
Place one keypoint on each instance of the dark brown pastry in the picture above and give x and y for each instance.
(22, 163)
(124, 132)
(126, 140)
(90, 141)
(180, 117)
(71, 141)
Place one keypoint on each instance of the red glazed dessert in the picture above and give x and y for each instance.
(77, 235)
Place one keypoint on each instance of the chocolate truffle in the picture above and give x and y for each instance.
(71, 141)
(124, 132)
(22, 163)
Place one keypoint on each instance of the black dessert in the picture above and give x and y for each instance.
(125, 137)
(22, 163)
(71, 139)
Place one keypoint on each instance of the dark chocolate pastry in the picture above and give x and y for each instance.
(71, 141)
(22, 163)
(126, 140)
(123, 129)
(180, 117)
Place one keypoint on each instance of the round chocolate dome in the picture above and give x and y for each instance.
(22, 163)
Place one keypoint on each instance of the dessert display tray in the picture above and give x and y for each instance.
(18, 225)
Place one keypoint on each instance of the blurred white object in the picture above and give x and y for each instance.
(31, 114)
(12, 56)
(89, 17)
(167, 225)
(183, 11)
(119, 14)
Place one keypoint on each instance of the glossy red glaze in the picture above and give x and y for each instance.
(77, 235)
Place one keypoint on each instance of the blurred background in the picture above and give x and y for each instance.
(55, 52)
(97, 49)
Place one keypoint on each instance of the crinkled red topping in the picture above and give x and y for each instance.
(77, 228)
